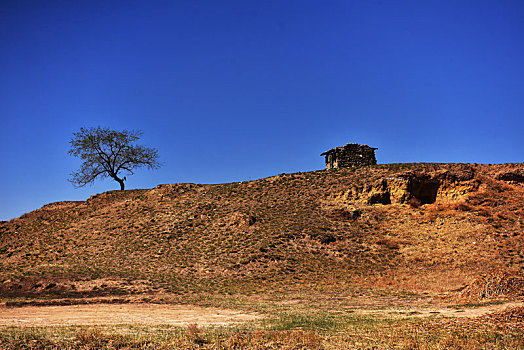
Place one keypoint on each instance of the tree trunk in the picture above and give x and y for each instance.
(121, 182)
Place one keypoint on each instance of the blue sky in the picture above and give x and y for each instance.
(239, 90)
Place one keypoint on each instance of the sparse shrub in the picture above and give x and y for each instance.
(269, 340)
(414, 202)
(499, 216)
(432, 213)
(343, 214)
(464, 207)
(195, 334)
(389, 243)
(502, 283)
(484, 212)
(326, 238)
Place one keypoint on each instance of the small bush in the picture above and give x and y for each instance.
(389, 243)
(414, 202)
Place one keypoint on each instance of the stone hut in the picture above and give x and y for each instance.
(350, 155)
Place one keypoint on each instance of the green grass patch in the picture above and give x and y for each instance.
(470, 305)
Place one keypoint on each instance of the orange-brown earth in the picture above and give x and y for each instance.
(454, 230)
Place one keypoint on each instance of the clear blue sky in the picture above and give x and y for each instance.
(239, 90)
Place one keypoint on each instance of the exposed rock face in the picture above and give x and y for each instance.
(350, 155)
(516, 176)
(424, 188)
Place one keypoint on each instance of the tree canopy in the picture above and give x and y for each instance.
(109, 153)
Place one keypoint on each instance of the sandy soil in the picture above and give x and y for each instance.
(118, 314)
(107, 314)
(446, 311)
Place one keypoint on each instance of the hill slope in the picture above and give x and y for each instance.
(433, 227)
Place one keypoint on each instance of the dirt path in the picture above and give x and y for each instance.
(118, 314)
(456, 311)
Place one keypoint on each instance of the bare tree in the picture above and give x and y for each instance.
(109, 153)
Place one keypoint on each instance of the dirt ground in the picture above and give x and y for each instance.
(442, 311)
(150, 314)
(118, 314)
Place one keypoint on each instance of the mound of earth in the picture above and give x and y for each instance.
(496, 285)
(514, 315)
(422, 227)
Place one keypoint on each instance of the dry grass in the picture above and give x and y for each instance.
(312, 238)
(263, 235)
(286, 331)
(493, 286)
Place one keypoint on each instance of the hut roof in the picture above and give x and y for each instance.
(349, 145)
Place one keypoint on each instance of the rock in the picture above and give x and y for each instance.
(515, 176)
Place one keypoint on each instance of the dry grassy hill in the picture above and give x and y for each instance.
(414, 227)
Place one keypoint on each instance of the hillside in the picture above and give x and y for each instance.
(424, 228)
